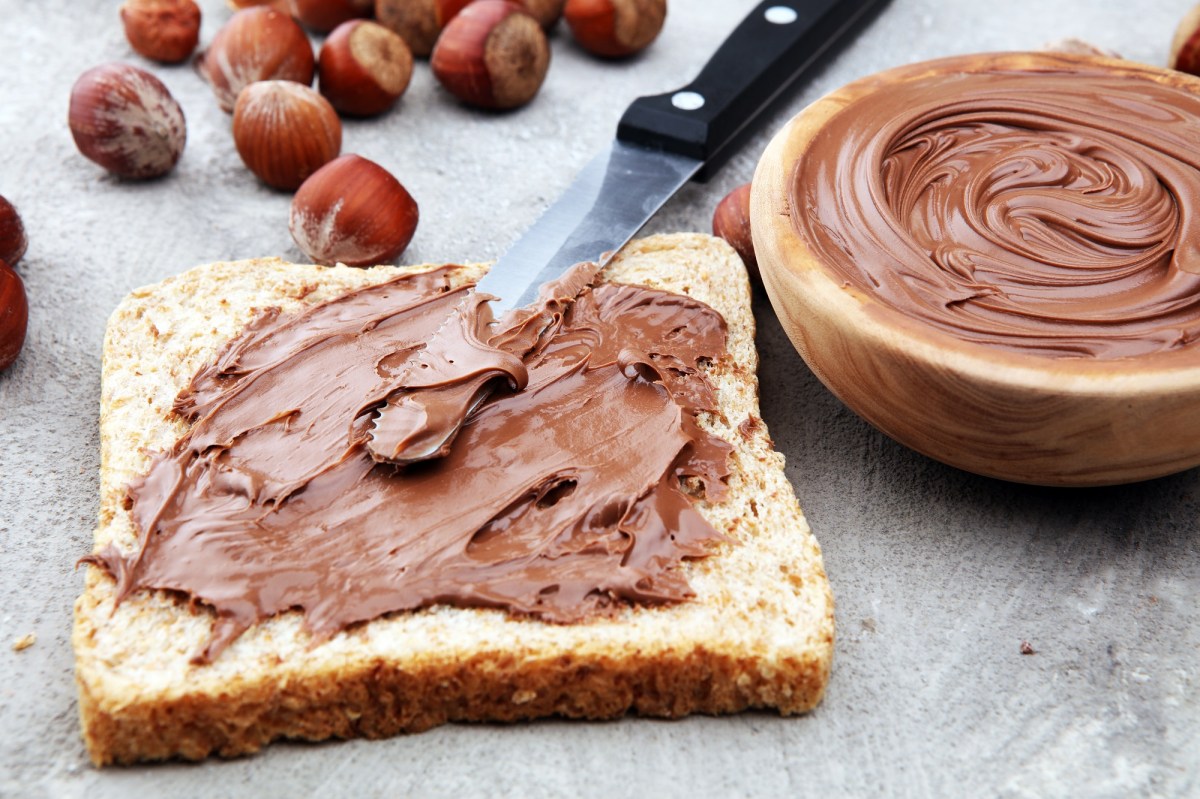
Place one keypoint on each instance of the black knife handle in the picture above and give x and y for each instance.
(769, 50)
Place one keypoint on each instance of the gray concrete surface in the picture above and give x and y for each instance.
(939, 575)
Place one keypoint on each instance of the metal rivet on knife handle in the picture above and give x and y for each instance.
(687, 101)
(781, 15)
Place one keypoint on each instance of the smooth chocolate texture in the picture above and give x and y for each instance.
(458, 368)
(1045, 212)
(569, 498)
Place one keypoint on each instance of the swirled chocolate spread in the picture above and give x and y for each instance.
(1050, 212)
(561, 500)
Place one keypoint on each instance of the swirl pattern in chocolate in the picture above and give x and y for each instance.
(1049, 212)
(566, 500)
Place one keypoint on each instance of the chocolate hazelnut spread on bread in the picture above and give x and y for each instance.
(562, 500)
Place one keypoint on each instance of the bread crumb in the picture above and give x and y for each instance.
(749, 426)
(24, 642)
(1027, 648)
(521, 697)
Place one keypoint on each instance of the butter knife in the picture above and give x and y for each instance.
(665, 140)
(662, 142)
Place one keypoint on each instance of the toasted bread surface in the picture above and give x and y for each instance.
(759, 632)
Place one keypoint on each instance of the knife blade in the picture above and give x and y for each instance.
(662, 142)
(665, 140)
(585, 224)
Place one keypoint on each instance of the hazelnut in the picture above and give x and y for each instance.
(163, 30)
(418, 22)
(285, 131)
(279, 5)
(546, 12)
(256, 44)
(1185, 47)
(731, 221)
(492, 55)
(14, 315)
(1075, 46)
(125, 120)
(323, 16)
(615, 28)
(353, 211)
(363, 68)
(12, 234)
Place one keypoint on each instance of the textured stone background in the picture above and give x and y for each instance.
(939, 575)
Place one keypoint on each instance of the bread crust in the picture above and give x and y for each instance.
(759, 633)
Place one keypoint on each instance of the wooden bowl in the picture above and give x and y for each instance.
(1007, 412)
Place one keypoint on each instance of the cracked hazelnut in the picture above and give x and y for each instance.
(615, 28)
(14, 315)
(12, 234)
(492, 55)
(731, 221)
(125, 120)
(256, 44)
(353, 211)
(162, 30)
(363, 68)
(285, 131)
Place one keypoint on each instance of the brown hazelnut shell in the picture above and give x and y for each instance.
(363, 68)
(615, 28)
(731, 221)
(124, 119)
(162, 30)
(257, 43)
(12, 234)
(493, 54)
(285, 131)
(546, 12)
(353, 211)
(14, 315)
(323, 16)
(418, 22)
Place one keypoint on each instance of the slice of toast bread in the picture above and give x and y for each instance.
(759, 632)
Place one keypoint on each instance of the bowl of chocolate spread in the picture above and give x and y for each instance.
(995, 259)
